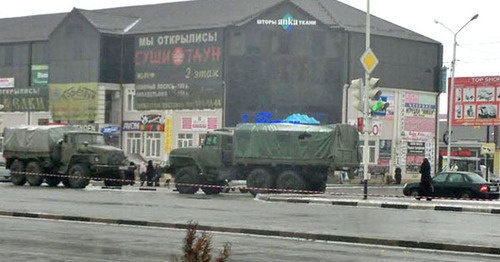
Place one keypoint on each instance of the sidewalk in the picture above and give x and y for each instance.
(491, 207)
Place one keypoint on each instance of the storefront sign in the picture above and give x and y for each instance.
(476, 101)
(179, 70)
(7, 82)
(29, 99)
(152, 122)
(110, 129)
(131, 125)
(167, 145)
(199, 123)
(74, 102)
(287, 22)
(39, 75)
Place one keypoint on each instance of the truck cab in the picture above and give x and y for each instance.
(209, 163)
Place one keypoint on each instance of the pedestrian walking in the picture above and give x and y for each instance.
(397, 175)
(425, 180)
(130, 173)
(150, 173)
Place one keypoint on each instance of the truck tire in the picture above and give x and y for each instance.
(186, 175)
(17, 173)
(115, 181)
(291, 180)
(259, 178)
(78, 176)
(212, 190)
(34, 174)
(65, 182)
(318, 186)
(52, 181)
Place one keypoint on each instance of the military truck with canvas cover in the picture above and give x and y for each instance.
(60, 154)
(276, 156)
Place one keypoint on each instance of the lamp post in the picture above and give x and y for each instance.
(452, 83)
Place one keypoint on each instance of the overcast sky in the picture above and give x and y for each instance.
(478, 53)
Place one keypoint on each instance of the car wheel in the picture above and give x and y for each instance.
(34, 174)
(414, 193)
(259, 178)
(17, 173)
(466, 195)
(186, 175)
(78, 176)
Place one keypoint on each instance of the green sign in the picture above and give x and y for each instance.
(39, 75)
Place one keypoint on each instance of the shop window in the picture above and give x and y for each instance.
(130, 100)
(185, 140)
(134, 143)
(371, 151)
(152, 144)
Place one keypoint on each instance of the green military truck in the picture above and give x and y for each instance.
(60, 154)
(276, 156)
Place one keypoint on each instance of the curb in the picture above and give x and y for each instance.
(264, 232)
(380, 204)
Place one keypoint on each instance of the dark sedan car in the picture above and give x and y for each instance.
(457, 185)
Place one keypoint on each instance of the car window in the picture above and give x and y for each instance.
(455, 178)
(440, 177)
(475, 178)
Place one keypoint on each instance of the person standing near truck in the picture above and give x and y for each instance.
(425, 179)
(142, 172)
(150, 172)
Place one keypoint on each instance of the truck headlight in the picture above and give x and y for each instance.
(96, 159)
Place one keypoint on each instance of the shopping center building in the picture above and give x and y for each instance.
(158, 77)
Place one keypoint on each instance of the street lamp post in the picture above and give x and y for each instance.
(452, 83)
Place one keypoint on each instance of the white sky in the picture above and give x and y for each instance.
(478, 53)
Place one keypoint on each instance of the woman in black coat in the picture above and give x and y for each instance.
(425, 179)
(150, 173)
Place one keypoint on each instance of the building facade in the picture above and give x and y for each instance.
(158, 77)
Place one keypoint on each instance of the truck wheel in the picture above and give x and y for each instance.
(65, 182)
(116, 180)
(78, 176)
(52, 181)
(211, 190)
(318, 186)
(259, 178)
(17, 173)
(290, 179)
(186, 175)
(34, 174)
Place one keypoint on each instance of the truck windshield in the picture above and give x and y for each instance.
(92, 139)
(211, 141)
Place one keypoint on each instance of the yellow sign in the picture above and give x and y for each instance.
(74, 102)
(167, 135)
(369, 60)
(488, 149)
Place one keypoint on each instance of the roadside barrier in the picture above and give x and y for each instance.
(256, 189)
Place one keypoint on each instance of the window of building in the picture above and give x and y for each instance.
(184, 140)
(201, 139)
(152, 144)
(9, 55)
(371, 151)
(134, 143)
(130, 100)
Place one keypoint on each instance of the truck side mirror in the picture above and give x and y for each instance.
(60, 141)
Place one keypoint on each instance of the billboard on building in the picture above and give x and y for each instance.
(179, 70)
(74, 102)
(418, 124)
(39, 75)
(476, 101)
(29, 99)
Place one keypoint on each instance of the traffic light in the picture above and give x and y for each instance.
(360, 124)
(377, 103)
(357, 94)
